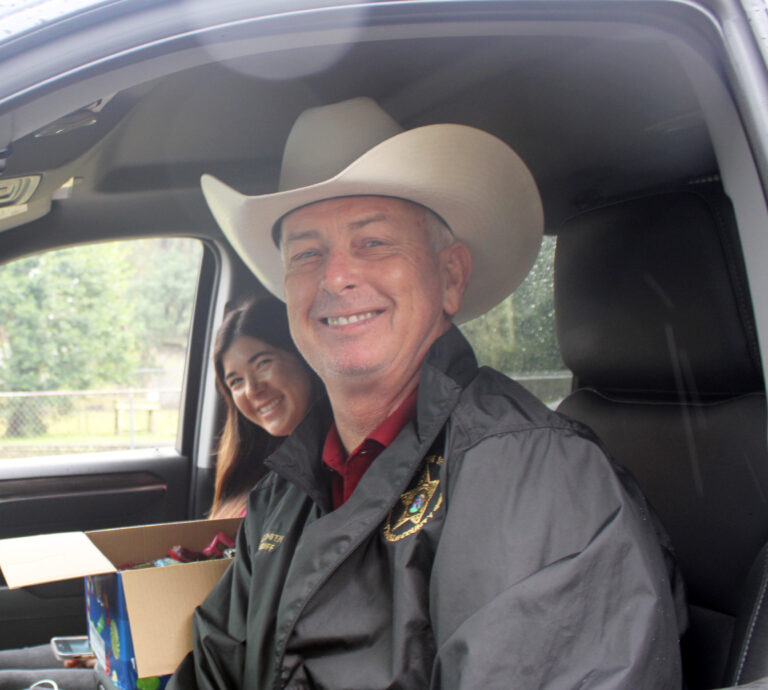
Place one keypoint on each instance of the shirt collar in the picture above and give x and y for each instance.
(334, 454)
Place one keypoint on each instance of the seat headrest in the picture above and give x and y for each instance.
(651, 295)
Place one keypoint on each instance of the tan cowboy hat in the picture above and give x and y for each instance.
(477, 184)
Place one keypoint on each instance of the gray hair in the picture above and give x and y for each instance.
(440, 235)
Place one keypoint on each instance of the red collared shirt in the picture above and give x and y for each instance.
(347, 471)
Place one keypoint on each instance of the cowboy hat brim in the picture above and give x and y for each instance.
(477, 184)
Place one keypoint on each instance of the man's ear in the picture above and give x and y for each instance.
(456, 269)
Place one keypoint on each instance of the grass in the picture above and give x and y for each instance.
(94, 429)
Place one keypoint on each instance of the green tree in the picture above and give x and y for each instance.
(162, 291)
(518, 335)
(64, 325)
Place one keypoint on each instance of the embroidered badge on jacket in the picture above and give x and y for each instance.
(270, 541)
(418, 505)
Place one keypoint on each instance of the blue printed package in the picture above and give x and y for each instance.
(109, 633)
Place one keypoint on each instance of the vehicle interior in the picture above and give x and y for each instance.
(639, 122)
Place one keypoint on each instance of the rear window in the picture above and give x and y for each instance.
(518, 337)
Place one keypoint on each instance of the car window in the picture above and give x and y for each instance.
(518, 336)
(93, 341)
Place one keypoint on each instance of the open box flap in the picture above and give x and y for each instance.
(144, 543)
(49, 558)
(160, 604)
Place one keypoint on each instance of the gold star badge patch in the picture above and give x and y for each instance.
(418, 505)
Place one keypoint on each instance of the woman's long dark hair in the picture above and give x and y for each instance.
(243, 445)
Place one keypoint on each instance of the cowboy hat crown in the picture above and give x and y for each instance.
(472, 180)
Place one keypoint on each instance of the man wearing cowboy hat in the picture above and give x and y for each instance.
(432, 524)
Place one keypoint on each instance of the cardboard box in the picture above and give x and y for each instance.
(140, 621)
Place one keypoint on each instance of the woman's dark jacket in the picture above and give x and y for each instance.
(491, 545)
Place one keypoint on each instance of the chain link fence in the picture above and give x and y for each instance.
(52, 423)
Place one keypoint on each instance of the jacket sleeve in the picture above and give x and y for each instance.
(220, 630)
(562, 583)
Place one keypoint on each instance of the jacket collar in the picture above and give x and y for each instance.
(448, 368)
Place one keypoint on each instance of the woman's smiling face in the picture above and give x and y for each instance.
(270, 386)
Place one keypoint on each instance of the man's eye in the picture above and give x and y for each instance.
(373, 243)
(306, 254)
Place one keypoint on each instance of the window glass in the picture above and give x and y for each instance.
(92, 346)
(518, 337)
(17, 16)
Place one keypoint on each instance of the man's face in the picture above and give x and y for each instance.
(366, 292)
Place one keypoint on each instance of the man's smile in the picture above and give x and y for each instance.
(353, 318)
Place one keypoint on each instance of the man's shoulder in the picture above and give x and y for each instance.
(491, 391)
(500, 424)
(493, 403)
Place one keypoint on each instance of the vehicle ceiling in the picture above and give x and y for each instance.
(595, 119)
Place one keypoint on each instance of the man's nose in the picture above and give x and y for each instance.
(339, 271)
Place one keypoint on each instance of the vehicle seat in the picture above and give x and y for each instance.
(655, 322)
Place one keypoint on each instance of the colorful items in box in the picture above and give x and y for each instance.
(221, 547)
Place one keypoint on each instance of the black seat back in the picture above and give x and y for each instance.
(654, 319)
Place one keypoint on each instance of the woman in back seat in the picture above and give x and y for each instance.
(268, 388)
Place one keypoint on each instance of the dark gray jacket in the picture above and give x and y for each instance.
(492, 545)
